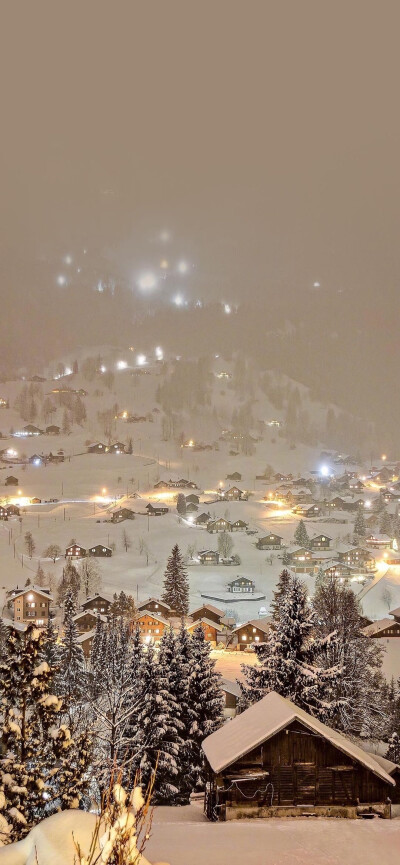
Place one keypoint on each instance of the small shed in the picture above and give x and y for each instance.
(275, 760)
(100, 551)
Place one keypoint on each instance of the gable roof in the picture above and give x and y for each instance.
(37, 591)
(230, 687)
(142, 605)
(208, 607)
(153, 615)
(263, 624)
(380, 625)
(208, 622)
(266, 718)
(86, 636)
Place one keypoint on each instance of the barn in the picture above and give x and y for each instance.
(276, 760)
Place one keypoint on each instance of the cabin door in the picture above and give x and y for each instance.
(305, 784)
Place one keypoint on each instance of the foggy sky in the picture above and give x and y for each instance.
(265, 135)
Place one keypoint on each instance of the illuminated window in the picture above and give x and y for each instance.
(244, 637)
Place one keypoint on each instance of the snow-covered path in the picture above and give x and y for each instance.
(182, 838)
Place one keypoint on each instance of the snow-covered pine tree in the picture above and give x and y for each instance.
(181, 669)
(3, 639)
(154, 743)
(111, 698)
(279, 593)
(361, 708)
(393, 751)
(42, 768)
(385, 523)
(176, 585)
(123, 605)
(72, 676)
(205, 701)
(360, 529)
(292, 661)
(51, 647)
(320, 578)
(97, 657)
(301, 535)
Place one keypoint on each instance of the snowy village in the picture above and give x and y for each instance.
(199, 433)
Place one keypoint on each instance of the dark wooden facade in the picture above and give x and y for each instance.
(295, 767)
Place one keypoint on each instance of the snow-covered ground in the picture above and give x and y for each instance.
(83, 510)
(182, 836)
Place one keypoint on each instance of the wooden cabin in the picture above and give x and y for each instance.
(320, 542)
(85, 640)
(122, 514)
(32, 606)
(151, 626)
(270, 542)
(156, 510)
(97, 603)
(208, 557)
(208, 611)
(276, 760)
(212, 632)
(86, 620)
(100, 551)
(154, 605)
(75, 551)
(254, 631)
(242, 585)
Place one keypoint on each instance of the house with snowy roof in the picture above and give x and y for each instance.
(275, 759)
(154, 605)
(32, 606)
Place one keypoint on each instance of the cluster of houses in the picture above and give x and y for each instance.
(175, 484)
(344, 562)
(33, 604)
(75, 551)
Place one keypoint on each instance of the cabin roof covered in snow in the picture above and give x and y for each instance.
(262, 721)
(378, 626)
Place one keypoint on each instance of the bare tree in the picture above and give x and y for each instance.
(225, 544)
(126, 541)
(53, 551)
(90, 577)
(30, 545)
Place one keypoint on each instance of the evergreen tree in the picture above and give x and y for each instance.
(301, 535)
(51, 647)
(320, 578)
(123, 605)
(292, 661)
(285, 558)
(393, 751)
(205, 701)
(360, 529)
(111, 700)
(3, 639)
(360, 705)
(72, 675)
(155, 742)
(40, 578)
(70, 580)
(176, 585)
(181, 505)
(385, 523)
(279, 593)
(42, 768)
